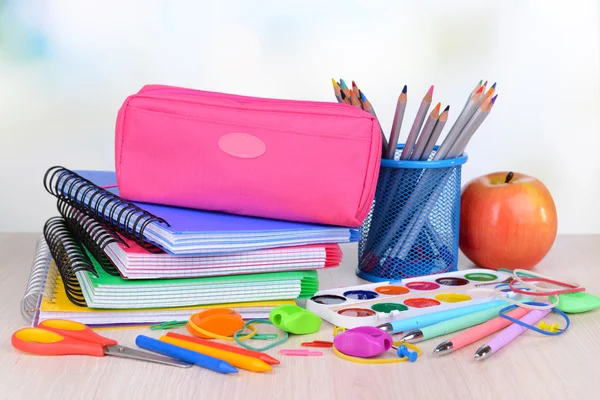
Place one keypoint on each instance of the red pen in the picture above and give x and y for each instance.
(317, 343)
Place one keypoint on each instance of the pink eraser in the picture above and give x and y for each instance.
(364, 341)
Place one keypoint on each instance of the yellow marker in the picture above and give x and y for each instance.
(237, 360)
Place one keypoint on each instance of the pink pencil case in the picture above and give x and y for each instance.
(303, 161)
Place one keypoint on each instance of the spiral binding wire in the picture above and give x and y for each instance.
(69, 256)
(41, 283)
(91, 233)
(105, 207)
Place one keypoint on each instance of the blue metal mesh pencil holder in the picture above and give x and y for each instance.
(412, 228)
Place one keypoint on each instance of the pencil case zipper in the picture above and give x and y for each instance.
(254, 103)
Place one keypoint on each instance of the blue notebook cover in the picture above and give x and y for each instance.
(219, 228)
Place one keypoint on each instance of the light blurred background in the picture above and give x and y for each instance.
(67, 65)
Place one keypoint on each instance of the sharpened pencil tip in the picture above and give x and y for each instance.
(485, 84)
(362, 96)
(494, 99)
(479, 90)
(430, 89)
(343, 84)
(404, 89)
(353, 83)
(437, 108)
(494, 85)
(480, 82)
(351, 93)
(333, 82)
(447, 108)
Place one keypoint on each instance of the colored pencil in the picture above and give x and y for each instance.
(344, 88)
(234, 349)
(473, 92)
(404, 244)
(397, 124)
(426, 133)
(356, 92)
(459, 124)
(368, 107)
(345, 99)
(480, 115)
(354, 99)
(489, 93)
(435, 134)
(336, 90)
(416, 127)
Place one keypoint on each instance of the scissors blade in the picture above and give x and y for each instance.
(127, 352)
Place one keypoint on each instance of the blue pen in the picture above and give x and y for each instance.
(421, 321)
(180, 353)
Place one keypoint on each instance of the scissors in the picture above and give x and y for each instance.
(62, 337)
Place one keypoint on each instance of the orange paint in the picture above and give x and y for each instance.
(391, 290)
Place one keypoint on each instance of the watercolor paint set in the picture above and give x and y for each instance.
(378, 303)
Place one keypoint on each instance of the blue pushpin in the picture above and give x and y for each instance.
(403, 351)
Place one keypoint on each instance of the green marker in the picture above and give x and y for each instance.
(452, 325)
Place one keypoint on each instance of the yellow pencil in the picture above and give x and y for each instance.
(336, 90)
(237, 360)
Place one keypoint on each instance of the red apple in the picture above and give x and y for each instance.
(506, 221)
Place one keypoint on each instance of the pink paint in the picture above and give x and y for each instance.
(422, 285)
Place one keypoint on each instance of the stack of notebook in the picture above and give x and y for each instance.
(106, 261)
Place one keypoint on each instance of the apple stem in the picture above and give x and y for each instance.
(509, 177)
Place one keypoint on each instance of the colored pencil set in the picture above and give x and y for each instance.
(401, 221)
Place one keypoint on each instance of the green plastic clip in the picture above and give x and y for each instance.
(167, 325)
(265, 336)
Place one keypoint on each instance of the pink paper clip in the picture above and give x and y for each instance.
(293, 352)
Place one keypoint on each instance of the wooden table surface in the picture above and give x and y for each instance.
(532, 367)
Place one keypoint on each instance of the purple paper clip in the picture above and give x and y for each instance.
(364, 341)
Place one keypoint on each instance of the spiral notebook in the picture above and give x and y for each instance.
(133, 262)
(88, 284)
(124, 257)
(45, 298)
(182, 231)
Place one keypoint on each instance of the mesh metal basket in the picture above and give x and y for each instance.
(412, 228)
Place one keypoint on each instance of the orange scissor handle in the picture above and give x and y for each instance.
(75, 330)
(48, 343)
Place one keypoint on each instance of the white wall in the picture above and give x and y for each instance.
(66, 66)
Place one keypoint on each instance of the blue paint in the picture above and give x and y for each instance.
(360, 294)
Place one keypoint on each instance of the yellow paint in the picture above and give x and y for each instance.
(452, 297)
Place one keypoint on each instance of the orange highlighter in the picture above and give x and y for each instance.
(237, 360)
(211, 343)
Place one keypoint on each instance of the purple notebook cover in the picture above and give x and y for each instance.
(183, 220)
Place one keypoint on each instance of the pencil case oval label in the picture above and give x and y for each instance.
(242, 145)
